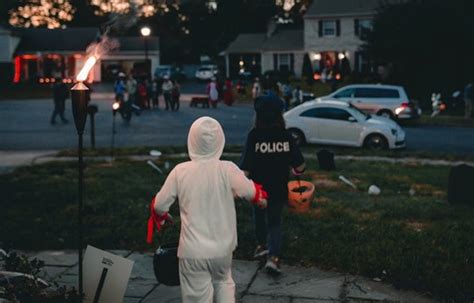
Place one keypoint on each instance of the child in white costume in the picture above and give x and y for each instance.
(205, 188)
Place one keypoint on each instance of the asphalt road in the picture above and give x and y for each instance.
(24, 125)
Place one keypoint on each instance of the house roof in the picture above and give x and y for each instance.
(322, 8)
(246, 43)
(280, 40)
(74, 40)
(285, 40)
(69, 39)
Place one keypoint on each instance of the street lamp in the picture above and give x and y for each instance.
(146, 31)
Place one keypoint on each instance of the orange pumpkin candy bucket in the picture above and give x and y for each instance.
(300, 195)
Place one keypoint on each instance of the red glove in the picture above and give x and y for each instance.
(155, 220)
(261, 196)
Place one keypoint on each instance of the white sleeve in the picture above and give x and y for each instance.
(167, 194)
(240, 184)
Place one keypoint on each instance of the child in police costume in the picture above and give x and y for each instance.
(205, 188)
(269, 155)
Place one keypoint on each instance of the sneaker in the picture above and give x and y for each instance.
(273, 266)
(260, 252)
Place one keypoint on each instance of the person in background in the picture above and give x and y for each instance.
(60, 94)
(468, 100)
(213, 93)
(142, 94)
(269, 155)
(228, 92)
(155, 89)
(297, 95)
(167, 88)
(208, 218)
(241, 87)
(287, 94)
(256, 89)
(175, 95)
(120, 88)
(131, 86)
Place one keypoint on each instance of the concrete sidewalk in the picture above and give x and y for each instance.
(253, 285)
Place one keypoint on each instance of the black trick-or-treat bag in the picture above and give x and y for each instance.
(165, 260)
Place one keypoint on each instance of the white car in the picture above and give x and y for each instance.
(384, 100)
(334, 122)
(206, 72)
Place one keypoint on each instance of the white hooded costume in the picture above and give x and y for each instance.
(205, 188)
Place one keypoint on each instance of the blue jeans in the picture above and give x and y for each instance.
(268, 226)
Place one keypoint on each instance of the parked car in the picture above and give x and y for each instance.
(389, 101)
(170, 71)
(206, 72)
(335, 122)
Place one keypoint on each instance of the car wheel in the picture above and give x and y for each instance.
(298, 136)
(376, 142)
(386, 113)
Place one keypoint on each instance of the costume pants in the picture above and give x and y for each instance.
(204, 279)
(58, 110)
(167, 97)
(468, 110)
(268, 226)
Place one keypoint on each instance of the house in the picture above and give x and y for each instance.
(278, 49)
(40, 55)
(8, 45)
(332, 36)
(334, 31)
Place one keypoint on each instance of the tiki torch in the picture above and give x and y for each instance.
(80, 96)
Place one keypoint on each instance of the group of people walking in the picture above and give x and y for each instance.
(207, 208)
(291, 96)
(146, 94)
(216, 92)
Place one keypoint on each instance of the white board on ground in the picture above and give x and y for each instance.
(105, 276)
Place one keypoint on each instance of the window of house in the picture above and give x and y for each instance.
(363, 65)
(329, 28)
(365, 26)
(284, 62)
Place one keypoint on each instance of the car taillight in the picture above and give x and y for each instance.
(405, 104)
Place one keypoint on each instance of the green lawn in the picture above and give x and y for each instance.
(416, 242)
(308, 149)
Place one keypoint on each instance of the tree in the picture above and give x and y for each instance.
(291, 11)
(427, 45)
(58, 13)
(42, 13)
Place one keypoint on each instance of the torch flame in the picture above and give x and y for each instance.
(82, 76)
